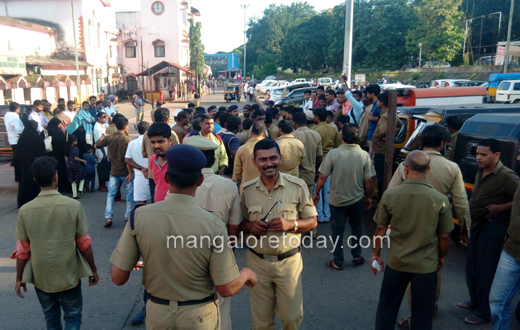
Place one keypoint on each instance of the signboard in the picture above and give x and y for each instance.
(360, 79)
(217, 63)
(239, 76)
(501, 54)
(12, 64)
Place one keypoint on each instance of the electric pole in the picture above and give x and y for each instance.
(78, 81)
(347, 54)
(506, 58)
(244, 73)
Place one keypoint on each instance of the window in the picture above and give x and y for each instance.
(159, 48)
(504, 86)
(130, 49)
(159, 51)
(516, 87)
(131, 83)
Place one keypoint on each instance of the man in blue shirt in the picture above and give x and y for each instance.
(93, 109)
(372, 91)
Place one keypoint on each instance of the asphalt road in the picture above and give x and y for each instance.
(332, 299)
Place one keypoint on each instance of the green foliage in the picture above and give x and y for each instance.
(266, 66)
(416, 75)
(441, 76)
(439, 28)
(196, 50)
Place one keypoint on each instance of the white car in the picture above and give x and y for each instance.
(263, 83)
(508, 91)
(326, 82)
(270, 85)
(275, 94)
(446, 82)
(299, 81)
(390, 87)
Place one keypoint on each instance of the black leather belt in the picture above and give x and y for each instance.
(161, 301)
(278, 257)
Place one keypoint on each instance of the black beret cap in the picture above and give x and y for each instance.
(185, 159)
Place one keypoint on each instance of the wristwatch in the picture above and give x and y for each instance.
(295, 229)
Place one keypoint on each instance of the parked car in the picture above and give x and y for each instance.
(299, 81)
(508, 91)
(275, 94)
(436, 64)
(468, 83)
(485, 60)
(447, 82)
(494, 81)
(264, 83)
(278, 83)
(326, 82)
(296, 97)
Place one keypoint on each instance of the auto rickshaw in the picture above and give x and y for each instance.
(232, 92)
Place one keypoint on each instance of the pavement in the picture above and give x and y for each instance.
(332, 299)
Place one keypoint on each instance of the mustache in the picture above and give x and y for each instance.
(270, 167)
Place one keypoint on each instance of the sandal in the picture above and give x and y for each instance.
(404, 323)
(466, 305)
(81, 193)
(108, 223)
(358, 261)
(332, 265)
(474, 320)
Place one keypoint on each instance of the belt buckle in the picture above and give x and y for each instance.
(271, 258)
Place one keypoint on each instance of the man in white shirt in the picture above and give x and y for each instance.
(101, 153)
(134, 158)
(250, 91)
(112, 98)
(14, 128)
(307, 103)
(71, 107)
(107, 109)
(37, 116)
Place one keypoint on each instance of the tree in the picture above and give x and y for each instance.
(266, 65)
(440, 29)
(196, 52)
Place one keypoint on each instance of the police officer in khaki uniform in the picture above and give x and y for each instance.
(292, 149)
(277, 260)
(219, 196)
(182, 270)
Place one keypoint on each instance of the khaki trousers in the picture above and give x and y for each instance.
(279, 289)
(225, 312)
(173, 317)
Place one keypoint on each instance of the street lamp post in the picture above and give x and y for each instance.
(245, 53)
(420, 54)
(78, 82)
(506, 58)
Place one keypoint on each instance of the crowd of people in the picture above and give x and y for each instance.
(265, 175)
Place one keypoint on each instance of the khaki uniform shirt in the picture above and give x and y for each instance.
(147, 150)
(312, 142)
(219, 196)
(417, 214)
(378, 144)
(446, 178)
(274, 132)
(296, 204)
(111, 129)
(51, 223)
(328, 136)
(116, 144)
(312, 126)
(179, 243)
(498, 187)
(512, 246)
(450, 151)
(363, 127)
(349, 166)
(244, 166)
(242, 136)
(179, 132)
(293, 153)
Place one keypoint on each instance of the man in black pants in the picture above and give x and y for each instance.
(490, 206)
(421, 222)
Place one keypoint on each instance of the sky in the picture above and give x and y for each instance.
(223, 20)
